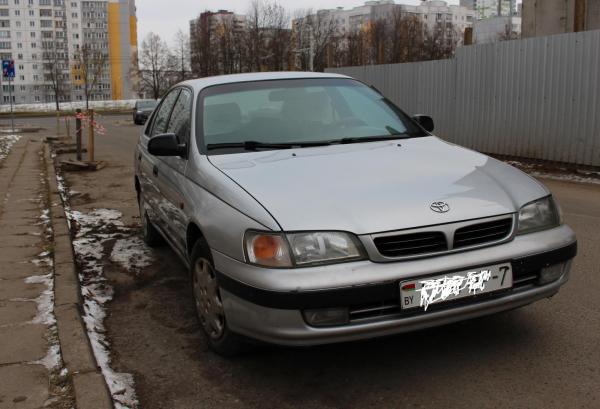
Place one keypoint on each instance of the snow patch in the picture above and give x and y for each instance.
(53, 359)
(131, 253)
(95, 231)
(6, 143)
(561, 174)
(125, 104)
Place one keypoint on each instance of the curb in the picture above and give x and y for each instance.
(89, 384)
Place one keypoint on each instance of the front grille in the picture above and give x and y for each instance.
(411, 244)
(482, 233)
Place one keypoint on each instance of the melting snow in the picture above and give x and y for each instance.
(70, 106)
(6, 143)
(131, 253)
(95, 231)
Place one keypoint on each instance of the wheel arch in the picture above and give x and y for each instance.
(193, 234)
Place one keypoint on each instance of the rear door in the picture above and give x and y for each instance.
(149, 164)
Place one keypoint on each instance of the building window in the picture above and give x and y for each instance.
(22, 77)
(4, 34)
(4, 45)
(31, 13)
(43, 2)
(4, 12)
(17, 12)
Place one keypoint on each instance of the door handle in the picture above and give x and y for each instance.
(155, 170)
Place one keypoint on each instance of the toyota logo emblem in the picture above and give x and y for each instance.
(439, 207)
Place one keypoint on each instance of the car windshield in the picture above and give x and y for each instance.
(299, 112)
(147, 104)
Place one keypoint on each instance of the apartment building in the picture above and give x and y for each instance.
(432, 13)
(491, 8)
(46, 38)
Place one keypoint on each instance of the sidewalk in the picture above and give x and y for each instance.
(45, 357)
(26, 313)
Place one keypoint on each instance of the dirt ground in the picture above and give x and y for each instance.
(545, 355)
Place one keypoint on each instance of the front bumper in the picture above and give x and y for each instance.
(272, 312)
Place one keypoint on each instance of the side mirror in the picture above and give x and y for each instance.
(166, 145)
(425, 121)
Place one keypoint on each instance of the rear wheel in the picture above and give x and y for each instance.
(209, 306)
(150, 235)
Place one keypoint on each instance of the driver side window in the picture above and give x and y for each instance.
(162, 116)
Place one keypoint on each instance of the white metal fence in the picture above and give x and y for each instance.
(537, 98)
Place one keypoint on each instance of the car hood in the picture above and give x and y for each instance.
(378, 186)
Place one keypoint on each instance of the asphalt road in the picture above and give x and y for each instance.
(545, 355)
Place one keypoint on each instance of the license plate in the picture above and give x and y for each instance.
(426, 291)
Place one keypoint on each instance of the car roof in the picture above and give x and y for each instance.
(201, 83)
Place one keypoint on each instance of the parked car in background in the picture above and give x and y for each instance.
(142, 110)
(310, 210)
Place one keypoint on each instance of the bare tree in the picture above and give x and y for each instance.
(91, 65)
(377, 38)
(256, 32)
(202, 38)
(154, 59)
(314, 33)
(181, 55)
(56, 72)
(277, 36)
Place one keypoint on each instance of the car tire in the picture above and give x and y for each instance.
(209, 307)
(150, 235)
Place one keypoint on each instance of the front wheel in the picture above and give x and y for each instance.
(209, 306)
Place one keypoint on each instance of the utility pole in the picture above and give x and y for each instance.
(10, 98)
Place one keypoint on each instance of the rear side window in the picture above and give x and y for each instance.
(180, 121)
(162, 116)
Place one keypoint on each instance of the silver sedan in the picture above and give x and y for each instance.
(310, 209)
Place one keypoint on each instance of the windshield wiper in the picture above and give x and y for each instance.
(373, 138)
(254, 145)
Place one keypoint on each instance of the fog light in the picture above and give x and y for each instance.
(326, 316)
(553, 272)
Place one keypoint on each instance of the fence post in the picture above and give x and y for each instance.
(91, 136)
(78, 132)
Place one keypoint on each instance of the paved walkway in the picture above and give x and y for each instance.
(26, 298)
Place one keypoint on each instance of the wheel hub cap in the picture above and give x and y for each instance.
(208, 300)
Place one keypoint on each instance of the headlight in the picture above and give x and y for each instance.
(322, 247)
(539, 215)
(301, 249)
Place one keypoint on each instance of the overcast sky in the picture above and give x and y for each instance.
(166, 17)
